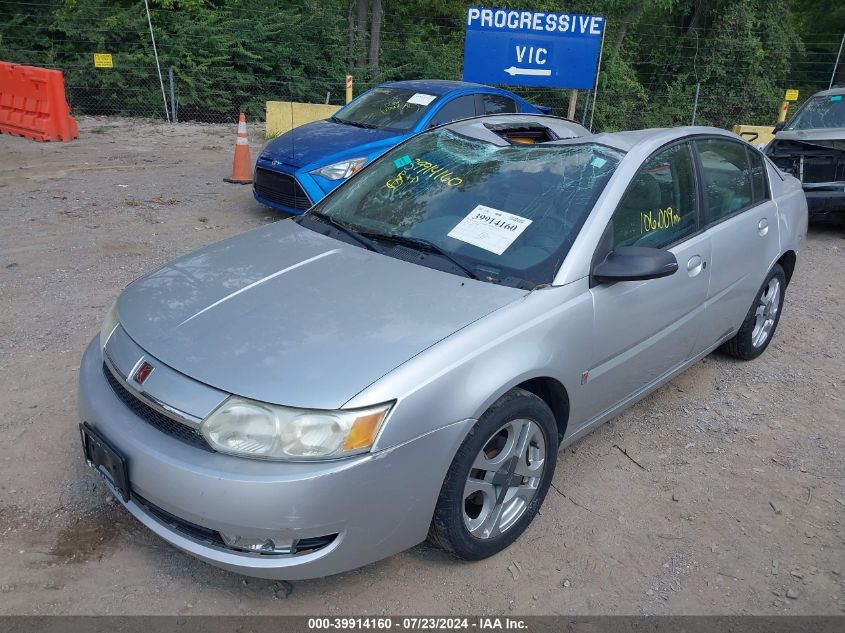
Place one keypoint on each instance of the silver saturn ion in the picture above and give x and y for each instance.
(406, 359)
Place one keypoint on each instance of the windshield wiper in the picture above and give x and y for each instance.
(368, 126)
(424, 244)
(355, 235)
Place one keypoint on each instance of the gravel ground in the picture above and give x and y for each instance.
(731, 499)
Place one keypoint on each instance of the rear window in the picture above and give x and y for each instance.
(727, 177)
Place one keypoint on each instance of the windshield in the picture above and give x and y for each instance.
(502, 212)
(386, 108)
(820, 112)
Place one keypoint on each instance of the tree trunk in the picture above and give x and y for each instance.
(375, 36)
(361, 34)
(632, 14)
(351, 36)
(699, 9)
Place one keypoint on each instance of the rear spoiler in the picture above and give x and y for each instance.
(544, 109)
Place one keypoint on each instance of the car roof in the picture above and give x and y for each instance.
(435, 86)
(488, 127)
(651, 138)
(572, 132)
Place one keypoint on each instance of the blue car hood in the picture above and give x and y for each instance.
(318, 140)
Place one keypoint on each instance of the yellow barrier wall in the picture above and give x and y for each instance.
(757, 135)
(283, 116)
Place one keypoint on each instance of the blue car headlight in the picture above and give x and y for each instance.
(341, 169)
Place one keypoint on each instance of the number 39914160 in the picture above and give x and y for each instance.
(497, 222)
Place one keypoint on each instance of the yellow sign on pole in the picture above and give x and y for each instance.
(103, 60)
(791, 95)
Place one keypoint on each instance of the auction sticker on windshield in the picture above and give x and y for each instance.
(490, 229)
(420, 98)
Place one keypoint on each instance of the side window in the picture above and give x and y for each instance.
(727, 177)
(497, 104)
(660, 205)
(759, 183)
(460, 108)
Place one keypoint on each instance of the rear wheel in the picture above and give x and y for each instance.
(498, 478)
(762, 319)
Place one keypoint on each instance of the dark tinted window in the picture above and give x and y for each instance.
(460, 108)
(759, 184)
(727, 177)
(497, 104)
(660, 206)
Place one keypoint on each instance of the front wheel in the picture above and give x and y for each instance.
(762, 319)
(498, 478)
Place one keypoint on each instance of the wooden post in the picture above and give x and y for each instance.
(573, 100)
(348, 88)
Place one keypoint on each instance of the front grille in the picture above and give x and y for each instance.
(207, 536)
(155, 418)
(821, 164)
(186, 528)
(281, 188)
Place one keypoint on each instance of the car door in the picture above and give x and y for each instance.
(742, 223)
(461, 107)
(644, 329)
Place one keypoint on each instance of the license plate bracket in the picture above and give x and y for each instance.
(103, 457)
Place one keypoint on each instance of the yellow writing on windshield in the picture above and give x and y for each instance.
(662, 219)
(390, 106)
(424, 169)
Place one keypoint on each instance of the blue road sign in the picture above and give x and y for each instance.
(532, 48)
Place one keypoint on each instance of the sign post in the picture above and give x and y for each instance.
(791, 95)
(532, 48)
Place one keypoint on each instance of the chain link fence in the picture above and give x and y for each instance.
(215, 89)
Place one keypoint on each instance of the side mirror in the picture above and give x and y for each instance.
(779, 126)
(635, 263)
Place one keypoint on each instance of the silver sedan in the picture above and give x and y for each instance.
(405, 360)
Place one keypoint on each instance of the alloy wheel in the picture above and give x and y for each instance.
(504, 478)
(766, 313)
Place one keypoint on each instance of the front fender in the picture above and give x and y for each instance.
(546, 333)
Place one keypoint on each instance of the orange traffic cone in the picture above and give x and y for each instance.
(242, 164)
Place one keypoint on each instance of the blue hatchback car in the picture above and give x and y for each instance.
(295, 170)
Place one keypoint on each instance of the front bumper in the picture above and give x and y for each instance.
(823, 202)
(377, 504)
(314, 187)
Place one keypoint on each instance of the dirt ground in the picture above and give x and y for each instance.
(732, 500)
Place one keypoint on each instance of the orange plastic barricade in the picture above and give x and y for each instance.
(33, 104)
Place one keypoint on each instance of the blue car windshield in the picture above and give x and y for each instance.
(386, 108)
(819, 113)
(502, 212)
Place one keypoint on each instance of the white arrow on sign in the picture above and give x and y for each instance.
(539, 72)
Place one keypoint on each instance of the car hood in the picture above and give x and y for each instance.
(285, 315)
(313, 142)
(833, 138)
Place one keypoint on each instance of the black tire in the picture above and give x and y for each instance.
(448, 529)
(742, 345)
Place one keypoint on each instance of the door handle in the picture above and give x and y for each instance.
(763, 227)
(695, 265)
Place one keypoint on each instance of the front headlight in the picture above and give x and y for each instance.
(342, 169)
(110, 324)
(264, 431)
